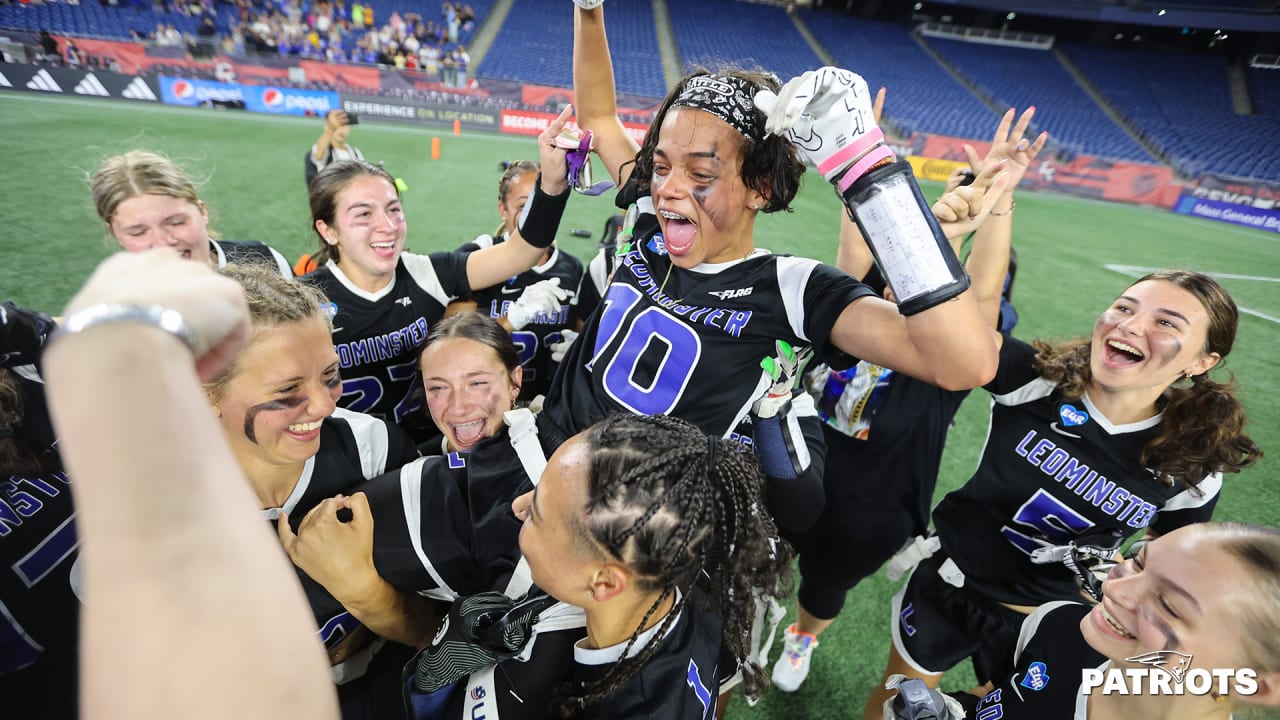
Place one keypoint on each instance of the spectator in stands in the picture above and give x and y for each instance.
(49, 47)
(332, 145)
(430, 55)
(72, 55)
(464, 59)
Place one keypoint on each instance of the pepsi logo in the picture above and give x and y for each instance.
(272, 98)
(183, 90)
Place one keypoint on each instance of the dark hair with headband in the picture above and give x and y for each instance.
(680, 509)
(770, 165)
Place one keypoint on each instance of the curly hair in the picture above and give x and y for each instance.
(1202, 425)
(770, 166)
(672, 503)
(16, 456)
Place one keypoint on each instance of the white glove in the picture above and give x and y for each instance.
(559, 349)
(824, 113)
(541, 298)
(783, 369)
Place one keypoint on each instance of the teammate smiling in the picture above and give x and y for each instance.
(1090, 441)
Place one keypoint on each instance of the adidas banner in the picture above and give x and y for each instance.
(76, 82)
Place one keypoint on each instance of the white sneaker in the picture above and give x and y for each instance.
(793, 667)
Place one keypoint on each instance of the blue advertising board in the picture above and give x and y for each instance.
(1234, 213)
(256, 98)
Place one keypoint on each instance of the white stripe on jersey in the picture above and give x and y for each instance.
(411, 495)
(346, 283)
(1034, 390)
(371, 437)
(1096, 415)
(282, 264)
(1195, 497)
(1032, 624)
(793, 277)
(300, 489)
(424, 274)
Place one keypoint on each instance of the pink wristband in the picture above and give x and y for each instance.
(850, 152)
(861, 167)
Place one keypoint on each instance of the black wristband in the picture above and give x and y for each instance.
(909, 247)
(540, 219)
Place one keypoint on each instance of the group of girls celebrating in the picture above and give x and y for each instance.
(621, 552)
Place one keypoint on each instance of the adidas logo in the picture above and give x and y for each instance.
(91, 85)
(139, 90)
(4, 81)
(44, 81)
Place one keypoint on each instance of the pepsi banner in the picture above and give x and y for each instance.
(255, 98)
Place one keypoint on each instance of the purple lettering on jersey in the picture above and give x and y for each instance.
(1115, 501)
(737, 322)
(714, 317)
(1134, 502)
(1100, 491)
(1142, 518)
(1039, 450)
(388, 346)
(1022, 446)
(1055, 460)
(1074, 471)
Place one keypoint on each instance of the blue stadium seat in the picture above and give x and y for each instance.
(1181, 103)
(712, 33)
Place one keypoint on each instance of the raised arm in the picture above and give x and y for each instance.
(595, 96)
(936, 332)
(538, 224)
(191, 609)
(332, 121)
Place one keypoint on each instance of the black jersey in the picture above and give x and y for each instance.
(520, 688)
(1045, 684)
(1054, 470)
(39, 604)
(377, 335)
(681, 682)
(23, 333)
(39, 607)
(688, 343)
(534, 339)
(250, 251)
(353, 448)
(443, 526)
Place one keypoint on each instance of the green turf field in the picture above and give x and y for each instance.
(1074, 257)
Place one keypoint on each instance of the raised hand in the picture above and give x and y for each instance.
(827, 114)
(961, 210)
(1011, 145)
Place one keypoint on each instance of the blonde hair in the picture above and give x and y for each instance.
(135, 173)
(1257, 549)
(273, 301)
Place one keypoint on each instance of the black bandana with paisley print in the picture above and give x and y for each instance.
(727, 97)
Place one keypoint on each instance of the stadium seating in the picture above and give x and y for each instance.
(535, 45)
(921, 95)
(1181, 104)
(712, 33)
(1021, 77)
(1265, 86)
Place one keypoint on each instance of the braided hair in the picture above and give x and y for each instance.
(676, 505)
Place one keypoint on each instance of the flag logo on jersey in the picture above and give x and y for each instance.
(658, 244)
(1036, 678)
(1072, 417)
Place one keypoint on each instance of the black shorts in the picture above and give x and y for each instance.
(936, 625)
